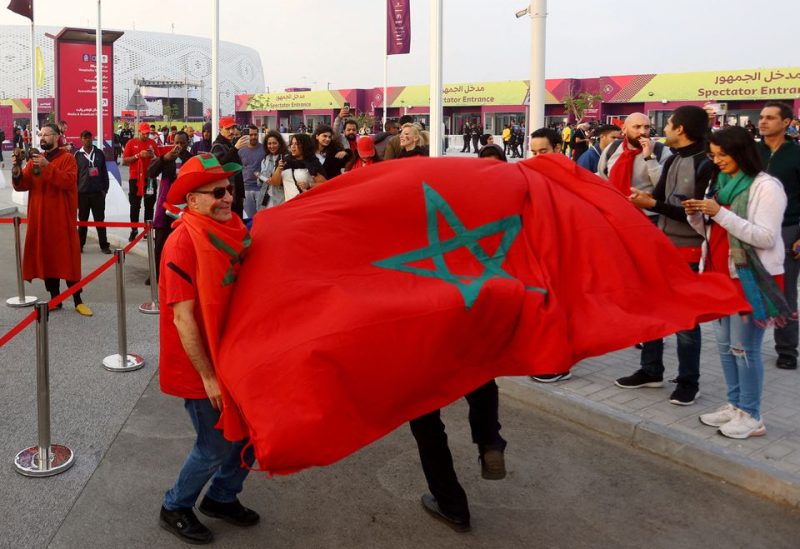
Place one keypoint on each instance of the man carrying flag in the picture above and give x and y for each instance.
(199, 264)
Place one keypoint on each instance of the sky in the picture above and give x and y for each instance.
(314, 43)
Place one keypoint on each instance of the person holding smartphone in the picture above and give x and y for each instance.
(300, 170)
(226, 148)
(137, 156)
(275, 149)
(741, 221)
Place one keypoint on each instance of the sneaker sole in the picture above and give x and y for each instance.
(228, 519)
(712, 424)
(760, 432)
(564, 377)
(177, 534)
(682, 403)
(651, 385)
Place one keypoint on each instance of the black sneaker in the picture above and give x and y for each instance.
(638, 380)
(430, 504)
(493, 464)
(233, 512)
(183, 524)
(552, 378)
(786, 362)
(106, 250)
(684, 395)
(132, 236)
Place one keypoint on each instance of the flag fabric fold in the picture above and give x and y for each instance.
(22, 7)
(398, 27)
(394, 290)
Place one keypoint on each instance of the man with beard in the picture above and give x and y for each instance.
(634, 161)
(349, 137)
(137, 155)
(52, 249)
(685, 175)
(781, 157)
(227, 151)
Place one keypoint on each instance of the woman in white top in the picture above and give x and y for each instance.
(300, 170)
(741, 222)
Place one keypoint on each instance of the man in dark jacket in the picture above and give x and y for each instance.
(466, 134)
(92, 188)
(391, 129)
(226, 152)
(782, 160)
(204, 144)
(475, 130)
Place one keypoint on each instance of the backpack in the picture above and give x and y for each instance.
(658, 150)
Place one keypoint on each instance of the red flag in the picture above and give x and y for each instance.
(22, 7)
(396, 289)
(398, 26)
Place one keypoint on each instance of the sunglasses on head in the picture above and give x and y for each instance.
(218, 192)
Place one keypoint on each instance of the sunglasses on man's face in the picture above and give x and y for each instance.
(218, 192)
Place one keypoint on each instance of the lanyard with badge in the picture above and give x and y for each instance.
(93, 171)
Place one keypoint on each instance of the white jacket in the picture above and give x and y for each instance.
(761, 229)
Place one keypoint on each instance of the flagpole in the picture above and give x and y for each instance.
(215, 70)
(538, 14)
(34, 133)
(99, 82)
(435, 145)
(385, 63)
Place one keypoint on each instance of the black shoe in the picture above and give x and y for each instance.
(639, 379)
(493, 464)
(786, 362)
(233, 512)
(106, 250)
(552, 378)
(183, 524)
(147, 281)
(684, 395)
(133, 234)
(430, 504)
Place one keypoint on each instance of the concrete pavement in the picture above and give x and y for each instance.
(130, 440)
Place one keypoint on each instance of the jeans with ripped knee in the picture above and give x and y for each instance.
(739, 341)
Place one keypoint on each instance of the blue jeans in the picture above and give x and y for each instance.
(739, 341)
(211, 456)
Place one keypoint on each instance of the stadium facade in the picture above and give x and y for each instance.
(137, 54)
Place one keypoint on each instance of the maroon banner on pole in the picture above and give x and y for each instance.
(398, 27)
(22, 7)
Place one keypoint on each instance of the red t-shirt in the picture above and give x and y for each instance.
(138, 169)
(177, 283)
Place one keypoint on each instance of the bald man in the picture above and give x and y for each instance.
(647, 163)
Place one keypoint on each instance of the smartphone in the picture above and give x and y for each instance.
(346, 105)
(286, 158)
(680, 197)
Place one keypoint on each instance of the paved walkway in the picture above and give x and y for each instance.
(769, 465)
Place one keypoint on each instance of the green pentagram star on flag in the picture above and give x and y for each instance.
(469, 286)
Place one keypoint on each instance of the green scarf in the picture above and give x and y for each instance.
(768, 302)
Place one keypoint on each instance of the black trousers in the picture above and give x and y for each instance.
(475, 139)
(136, 202)
(158, 247)
(465, 148)
(96, 202)
(53, 286)
(434, 453)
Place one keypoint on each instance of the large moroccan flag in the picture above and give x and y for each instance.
(394, 290)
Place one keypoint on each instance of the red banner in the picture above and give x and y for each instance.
(77, 95)
(398, 27)
(22, 7)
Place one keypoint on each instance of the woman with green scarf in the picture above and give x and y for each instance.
(741, 221)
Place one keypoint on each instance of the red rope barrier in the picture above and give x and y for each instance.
(59, 299)
(107, 224)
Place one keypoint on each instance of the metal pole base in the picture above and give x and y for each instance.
(25, 301)
(149, 308)
(27, 461)
(112, 363)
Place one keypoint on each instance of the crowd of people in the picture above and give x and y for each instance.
(730, 204)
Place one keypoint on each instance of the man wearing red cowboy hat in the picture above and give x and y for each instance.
(199, 264)
(137, 155)
(226, 148)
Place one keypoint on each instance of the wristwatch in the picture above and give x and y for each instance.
(651, 157)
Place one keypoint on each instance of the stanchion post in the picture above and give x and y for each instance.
(151, 308)
(45, 459)
(21, 300)
(122, 361)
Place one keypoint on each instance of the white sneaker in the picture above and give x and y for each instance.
(743, 426)
(720, 417)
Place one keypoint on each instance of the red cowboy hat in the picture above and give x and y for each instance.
(199, 170)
